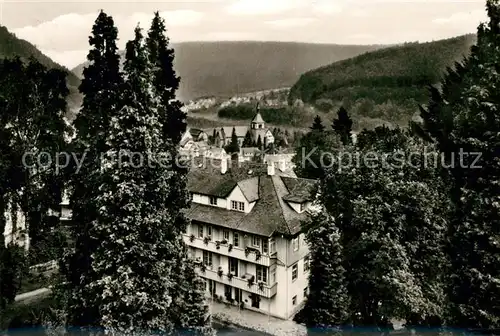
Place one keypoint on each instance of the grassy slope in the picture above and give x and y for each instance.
(386, 84)
(11, 46)
(227, 68)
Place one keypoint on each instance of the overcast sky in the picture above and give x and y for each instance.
(60, 29)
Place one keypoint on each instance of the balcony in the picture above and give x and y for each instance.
(236, 252)
(262, 290)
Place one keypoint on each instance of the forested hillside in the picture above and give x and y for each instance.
(386, 84)
(225, 69)
(11, 46)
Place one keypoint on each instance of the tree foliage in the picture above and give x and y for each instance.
(247, 141)
(317, 124)
(343, 126)
(383, 84)
(390, 208)
(127, 272)
(32, 100)
(328, 302)
(463, 117)
(315, 152)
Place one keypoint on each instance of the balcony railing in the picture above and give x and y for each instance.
(261, 289)
(248, 254)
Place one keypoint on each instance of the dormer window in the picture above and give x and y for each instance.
(239, 206)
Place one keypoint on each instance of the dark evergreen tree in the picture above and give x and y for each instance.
(315, 152)
(102, 99)
(247, 141)
(463, 117)
(328, 302)
(165, 84)
(214, 137)
(317, 124)
(258, 144)
(165, 80)
(233, 148)
(343, 126)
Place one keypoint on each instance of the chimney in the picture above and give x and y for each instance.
(223, 164)
(270, 168)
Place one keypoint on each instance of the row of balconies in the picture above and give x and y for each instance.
(246, 282)
(223, 247)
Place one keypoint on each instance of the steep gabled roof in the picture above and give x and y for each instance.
(271, 213)
(250, 188)
(195, 132)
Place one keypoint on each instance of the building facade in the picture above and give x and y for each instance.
(245, 234)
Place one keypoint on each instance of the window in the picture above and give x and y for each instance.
(295, 272)
(272, 246)
(256, 241)
(273, 277)
(305, 292)
(207, 258)
(240, 206)
(295, 243)
(200, 231)
(213, 200)
(265, 246)
(306, 264)
(191, 195)
(294, 300)
(233, 266)
(236, 239)
(228, 291)
(209, 231)
(302, 207)
(262, 273)
(225, 234)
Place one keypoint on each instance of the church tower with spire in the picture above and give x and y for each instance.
(258, 129)
(257, 121)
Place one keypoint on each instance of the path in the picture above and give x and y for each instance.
(252, 320)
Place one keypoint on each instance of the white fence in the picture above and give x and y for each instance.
(45, 267)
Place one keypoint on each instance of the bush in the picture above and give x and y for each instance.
(32, 315)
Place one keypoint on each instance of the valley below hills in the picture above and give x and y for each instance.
(222, 81)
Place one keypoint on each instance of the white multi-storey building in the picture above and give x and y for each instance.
(245, 232)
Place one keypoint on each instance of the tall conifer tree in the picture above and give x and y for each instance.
(343, 126)
(101, 87)
(165, 80)
(188, 303)
(317, 124)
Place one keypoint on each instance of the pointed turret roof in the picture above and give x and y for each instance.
(257, 118)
